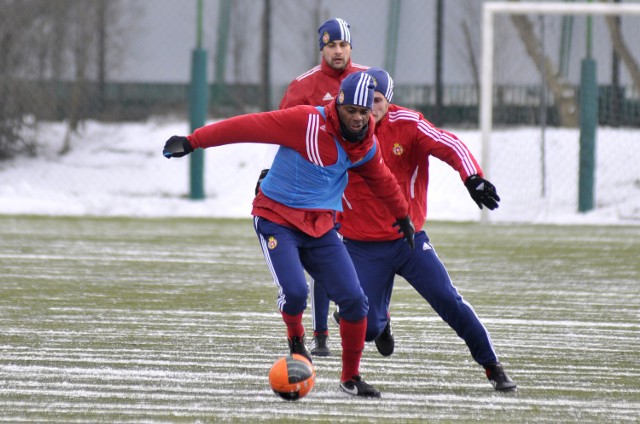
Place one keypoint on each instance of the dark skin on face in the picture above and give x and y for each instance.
(354, 118)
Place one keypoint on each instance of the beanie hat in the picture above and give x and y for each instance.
(357, 90)
(382, 81)
(332, 30)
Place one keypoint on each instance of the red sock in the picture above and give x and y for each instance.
(352, 334)
(315, 333)
(294, 324)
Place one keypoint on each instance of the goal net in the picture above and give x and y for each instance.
(533, 115)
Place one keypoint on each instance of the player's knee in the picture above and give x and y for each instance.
(296, 295)
(354, 309)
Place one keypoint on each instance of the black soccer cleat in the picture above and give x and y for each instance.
(499, 378)
(319, 345)
(385, 342)
(296, 345)
(357, 387)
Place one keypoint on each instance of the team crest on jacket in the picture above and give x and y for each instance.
(397, 149)
(272, 243)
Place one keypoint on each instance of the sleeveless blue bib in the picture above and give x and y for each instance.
(298, 183)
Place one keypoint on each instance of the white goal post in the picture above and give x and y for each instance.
(490, 10)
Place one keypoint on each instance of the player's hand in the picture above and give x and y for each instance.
(176, 147)
(405, 226)
(263, 174)
(482, 192)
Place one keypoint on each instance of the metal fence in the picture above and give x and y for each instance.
(515, 105)
(129, 60)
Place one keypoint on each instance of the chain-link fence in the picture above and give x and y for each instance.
(124, 60)
(130, 59)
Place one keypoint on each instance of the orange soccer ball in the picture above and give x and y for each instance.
(292, 377)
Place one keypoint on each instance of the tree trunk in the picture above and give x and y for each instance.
(83, 40)
(621, 49)
(564, 94)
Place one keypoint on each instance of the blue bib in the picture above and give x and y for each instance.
(298, 183)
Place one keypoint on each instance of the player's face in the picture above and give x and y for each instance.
(337, 54)
(380, 106)
(354, 117)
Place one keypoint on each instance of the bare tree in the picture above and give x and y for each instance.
(92, 42)
(82, 35)
(622, 50)
(19, 27)
(47, 46)
(563, 92)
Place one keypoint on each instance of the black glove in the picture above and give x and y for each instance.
(263, 174)
(482, 192)
(176, 147)
(405, 226)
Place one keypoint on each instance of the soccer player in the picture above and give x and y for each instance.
(317, 87)
(407, 141)
(297, 201)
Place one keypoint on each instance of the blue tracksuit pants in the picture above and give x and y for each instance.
(289, 252)
(377, 263)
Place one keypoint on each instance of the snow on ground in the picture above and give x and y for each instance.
(117, 169)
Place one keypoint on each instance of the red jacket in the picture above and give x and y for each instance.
(289, 128)
(407, 141)
(318, 86)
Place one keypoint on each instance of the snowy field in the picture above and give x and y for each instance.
(170, 320)
(118, 170)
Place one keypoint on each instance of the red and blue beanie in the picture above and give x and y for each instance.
(382, 81)
(357, 90)
(333, 30)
